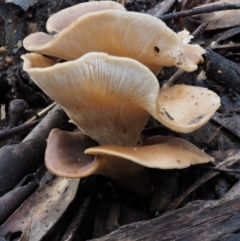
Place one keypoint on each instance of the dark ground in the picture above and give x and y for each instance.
(57, 209)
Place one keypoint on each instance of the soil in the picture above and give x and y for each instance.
(96, 206)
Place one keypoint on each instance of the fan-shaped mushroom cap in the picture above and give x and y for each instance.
(105, 96)
(157, 152)
(65, 156)
(60, 20)
(120, 33)
(185, 108)
(117, 95)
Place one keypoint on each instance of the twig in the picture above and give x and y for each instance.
(42, 112)
(175, 77)
(15, 130)
(199, 30)
(208, 9)
(77, 221)
(226, 170)
(225, 47)
(180, 73)
(55, 118)
(209, 175)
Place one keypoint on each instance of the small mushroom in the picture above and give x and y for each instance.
(111, 99)
(120, 33)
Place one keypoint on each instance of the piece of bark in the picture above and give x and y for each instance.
(222, 70)
(198, 221)
(220, 19)
(13, 199)
(78, 219)
(228, 159)
(232, 123)
(233, 192)
(162, 8)
(227, 34)
(18, 160)
(55, 118)
(43, 209)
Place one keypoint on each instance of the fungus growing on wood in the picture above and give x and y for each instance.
(119, 33)
(111, 99)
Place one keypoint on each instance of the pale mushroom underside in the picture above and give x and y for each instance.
(106, 97)
(119, 33)
(117, 96)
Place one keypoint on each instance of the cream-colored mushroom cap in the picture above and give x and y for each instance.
(120, 33)
(118, 95)
(157, 152)
(110, 93)
(60, 20)
(185, 108)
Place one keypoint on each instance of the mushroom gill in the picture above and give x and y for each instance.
(111, 99)
(120, 33)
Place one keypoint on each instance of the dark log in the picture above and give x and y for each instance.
(13, 199)
(222, 70)
(208, 221)
(18, 160)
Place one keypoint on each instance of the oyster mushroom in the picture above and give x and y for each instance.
(62, 19)
(120, 33)
(111, 99)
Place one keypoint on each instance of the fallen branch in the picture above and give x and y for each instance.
(208, 9)
(7, 132)
(209, 221)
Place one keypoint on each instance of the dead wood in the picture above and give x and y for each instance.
(7, 132)
(17, 161)
(230, 158)
(222, 70)
(198, 221)
(13, 199)
(208, 9)
(21, 159)
(55, 118)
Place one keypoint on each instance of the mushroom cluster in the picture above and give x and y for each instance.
(110, 96)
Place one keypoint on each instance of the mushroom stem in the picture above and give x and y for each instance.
(124, 173)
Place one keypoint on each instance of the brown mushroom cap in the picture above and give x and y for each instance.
(120, 33)
(65, 156)
(62, 19)
(157, 152)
